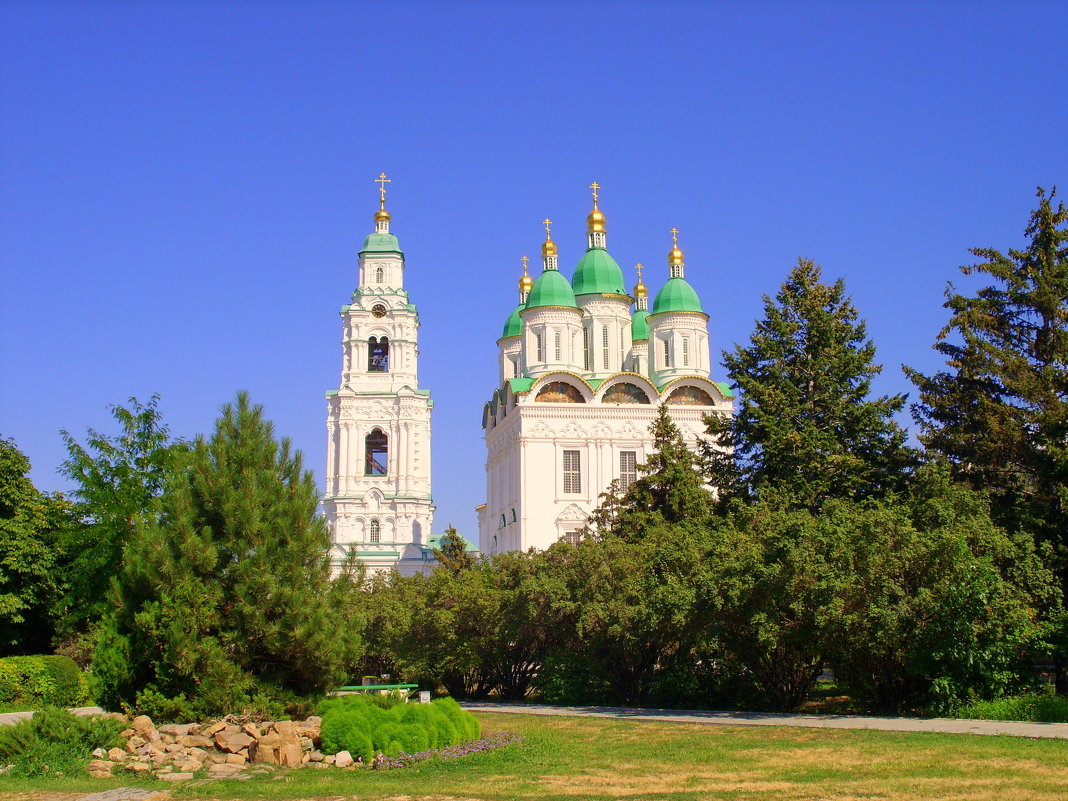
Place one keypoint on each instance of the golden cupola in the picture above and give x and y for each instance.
(549, 255)
(675, 257)
(382, 216)
(525, 282)
(595, 222)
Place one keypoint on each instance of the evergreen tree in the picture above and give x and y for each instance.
(117, 479)
(226, 590)
(999, 414)
(453, 553)
(30, 555)
(670, 489)
(805, 422)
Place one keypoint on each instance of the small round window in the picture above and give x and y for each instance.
(378, 310)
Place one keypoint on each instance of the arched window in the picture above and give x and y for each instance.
(685, 352)
(604, 344)
(557, 341)
(379, 275)
(377, 453)
(378, 355)
(376, 531)
(667, 353)
(540, 347)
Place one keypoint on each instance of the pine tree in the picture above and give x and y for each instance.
(453, 553)
(670, 489)
(227, 590)
(806, 425)
(999, 413)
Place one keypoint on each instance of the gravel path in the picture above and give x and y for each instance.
(942, 725)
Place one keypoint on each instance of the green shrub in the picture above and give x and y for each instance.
(356, 723)
(1038, 707)
(464, 721)
(55, 742)
(163, 709)
(46, 680)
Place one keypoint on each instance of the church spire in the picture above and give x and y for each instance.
(382, 216)
(548, 248)
(525, 283)
(641, 292)
(675, 258)
(595, 222)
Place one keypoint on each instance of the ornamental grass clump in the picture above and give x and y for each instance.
(55, 742)
(363, 728)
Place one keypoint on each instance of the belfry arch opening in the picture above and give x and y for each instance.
(376, 452)
(378, 355)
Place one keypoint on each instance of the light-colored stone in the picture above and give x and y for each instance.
(166, 739)
(173, 748)
(307, 743)
(251, 730)
(165, 769)
(196, 741)
(99, 753)
(100, 764)
(232, 728)
(330, 760)
(314, 721)
(211, 730)
(186, 765)
(100, 774)
(286, 728)
(343, 759)
(117, 755)
(316, 756)
(216, 757)
(236, 759)
(175, 729)
(135, 742)
(143, 725)
(225, 768)
(175, 777)
(233, 741)
(125, 733)
(138, 767)
(289, 753)
(197, 753)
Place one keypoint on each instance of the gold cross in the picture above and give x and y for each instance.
(525, 259)
(595, 186)
(674, 237)
(382, 180)
(639, 267)
(547, 223)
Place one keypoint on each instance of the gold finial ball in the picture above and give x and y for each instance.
(548, 248)
(675, 256)
(640, 290)
(381, 215)
(526, 283)
(596, 221)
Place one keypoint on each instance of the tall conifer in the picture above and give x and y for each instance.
(806, 424)
(227, 591)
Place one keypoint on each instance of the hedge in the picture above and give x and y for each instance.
(38, 681)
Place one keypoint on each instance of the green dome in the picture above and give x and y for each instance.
(639, 325)
(514, 326)
(598, 273)
(676, 295)
(551, 289)
(380, 243)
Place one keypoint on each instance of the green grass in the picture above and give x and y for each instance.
(601, 759)
(1041, 708)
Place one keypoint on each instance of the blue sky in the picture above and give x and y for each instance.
(184, 186)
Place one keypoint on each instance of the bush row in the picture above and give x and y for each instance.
(41, 681)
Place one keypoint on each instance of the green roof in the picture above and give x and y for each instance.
(639, 325)
(551, 289)
(597, 273)
(513, 326)
(520, 384)
(380, 243)
(676, 295)
(725, 388)
(434, 541)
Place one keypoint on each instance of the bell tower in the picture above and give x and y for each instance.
(377, 501)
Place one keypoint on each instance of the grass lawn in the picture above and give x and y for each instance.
(579, 758)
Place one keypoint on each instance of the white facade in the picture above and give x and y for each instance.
(561, 428)
(377, 501)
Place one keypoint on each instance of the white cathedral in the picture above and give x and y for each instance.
(580, 378)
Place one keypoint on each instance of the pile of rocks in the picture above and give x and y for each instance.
(176, 752)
